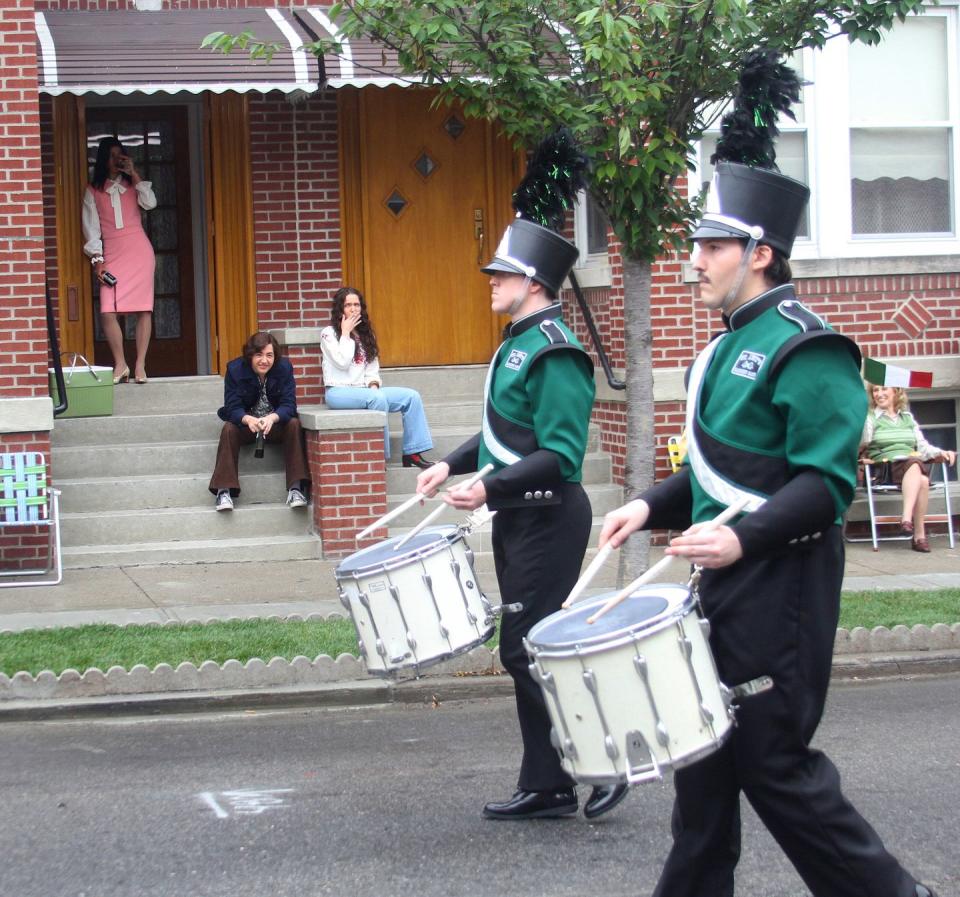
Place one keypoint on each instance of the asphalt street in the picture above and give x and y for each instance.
(385, 801)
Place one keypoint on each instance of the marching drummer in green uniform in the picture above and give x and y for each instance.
(538, 398)
(775, 408)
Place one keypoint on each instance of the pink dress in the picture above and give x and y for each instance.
(127, 253)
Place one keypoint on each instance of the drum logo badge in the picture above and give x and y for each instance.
(515, 359)
(748, 364)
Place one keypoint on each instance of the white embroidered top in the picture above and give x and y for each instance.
(343, 365)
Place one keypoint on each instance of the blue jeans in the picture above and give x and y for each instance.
(416, 433)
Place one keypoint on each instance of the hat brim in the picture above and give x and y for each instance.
(713, 230)
(498, 266)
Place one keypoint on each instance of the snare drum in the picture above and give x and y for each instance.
(636, 692)
(417, 606)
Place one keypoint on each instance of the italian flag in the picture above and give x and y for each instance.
(880, 374)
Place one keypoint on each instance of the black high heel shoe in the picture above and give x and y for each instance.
(416, 460)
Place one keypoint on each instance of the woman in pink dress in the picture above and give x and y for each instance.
(120, 251)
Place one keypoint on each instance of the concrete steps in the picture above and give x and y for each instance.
(135, 484)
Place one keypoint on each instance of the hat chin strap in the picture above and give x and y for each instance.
(756, 234)
(521, 296)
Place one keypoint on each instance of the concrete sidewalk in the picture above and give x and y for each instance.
(217, 591)
(201, 592)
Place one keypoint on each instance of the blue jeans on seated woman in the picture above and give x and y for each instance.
(416, 432)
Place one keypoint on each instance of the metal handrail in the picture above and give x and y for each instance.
(595, 336)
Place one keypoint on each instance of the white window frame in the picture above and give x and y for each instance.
(592, 269)
(828, 125)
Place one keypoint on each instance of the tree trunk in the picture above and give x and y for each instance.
(640, 418)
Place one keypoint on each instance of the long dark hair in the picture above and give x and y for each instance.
(101, 167)
(364, 330)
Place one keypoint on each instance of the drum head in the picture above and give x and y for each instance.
(384, 554)
(641, 610)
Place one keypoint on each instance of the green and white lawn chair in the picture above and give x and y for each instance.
(28, 502)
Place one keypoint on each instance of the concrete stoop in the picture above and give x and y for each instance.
(858, 653)
(134, 485)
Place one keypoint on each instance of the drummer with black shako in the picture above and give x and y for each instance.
(775, 407)
(539, 396)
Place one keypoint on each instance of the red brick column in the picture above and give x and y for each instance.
(24, 421)
(349, 489)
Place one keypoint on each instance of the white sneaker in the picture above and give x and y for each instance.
(296, 499)
(224, 501)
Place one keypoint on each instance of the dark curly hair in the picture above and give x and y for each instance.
(364, 330)
(101, 168)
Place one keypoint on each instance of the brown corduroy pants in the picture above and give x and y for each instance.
(290, 434)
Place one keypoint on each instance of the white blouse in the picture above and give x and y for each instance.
(339, 367)
(91, 217)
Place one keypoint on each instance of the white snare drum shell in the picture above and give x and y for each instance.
(633, 694)
(415, 607)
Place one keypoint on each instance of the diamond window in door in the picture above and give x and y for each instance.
(396, 202)
(425, 164)
(454, 126)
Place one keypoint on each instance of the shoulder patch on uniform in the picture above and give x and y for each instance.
(748, 364)
(553, 332)
(515, 360)
(795, 311)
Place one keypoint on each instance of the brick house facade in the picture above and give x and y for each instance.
(905, 308)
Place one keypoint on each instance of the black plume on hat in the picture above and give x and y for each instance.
(556, 173)
(532, 244)
(767, 87)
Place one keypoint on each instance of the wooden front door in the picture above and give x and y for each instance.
(156, 139)
(426, 196)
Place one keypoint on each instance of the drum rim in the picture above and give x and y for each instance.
(447, 539)
(598, 643)
(390, 672)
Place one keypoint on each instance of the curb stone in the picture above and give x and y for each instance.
(858, 653)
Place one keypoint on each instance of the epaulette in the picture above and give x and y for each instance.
(811, 327)
(553, 332)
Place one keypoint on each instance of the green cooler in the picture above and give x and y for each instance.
(89, 388)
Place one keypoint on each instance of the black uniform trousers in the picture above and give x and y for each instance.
(777, 615)
(537, 553)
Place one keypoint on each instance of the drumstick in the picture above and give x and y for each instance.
(665, 561)
(588, 574)
(396, 512)
(436, 512)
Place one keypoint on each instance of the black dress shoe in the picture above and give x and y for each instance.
(924, 891)
(603, 798)
(534, 805)
(416, 460)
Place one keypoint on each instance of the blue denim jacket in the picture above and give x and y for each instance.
(241, 389)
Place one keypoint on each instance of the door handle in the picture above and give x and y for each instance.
(478, 233)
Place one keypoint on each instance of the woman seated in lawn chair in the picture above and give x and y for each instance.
(896, 453)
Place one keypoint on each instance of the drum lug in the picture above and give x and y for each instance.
(343, 597)
(705, 627)
(610, 745)
(686, 646)
(547, 683)
(640, 665)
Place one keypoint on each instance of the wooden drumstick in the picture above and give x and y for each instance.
(666, 561)
(436, 512)
(588, 574)
(390, 515)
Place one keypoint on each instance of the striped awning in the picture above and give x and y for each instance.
(360, 62)
(127, 51)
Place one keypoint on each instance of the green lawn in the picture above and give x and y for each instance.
(105, 646)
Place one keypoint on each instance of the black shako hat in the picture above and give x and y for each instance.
(537, 252)
(745, 202)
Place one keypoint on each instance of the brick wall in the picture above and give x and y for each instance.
(23, 327)
(349, 487)
(296, 204)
